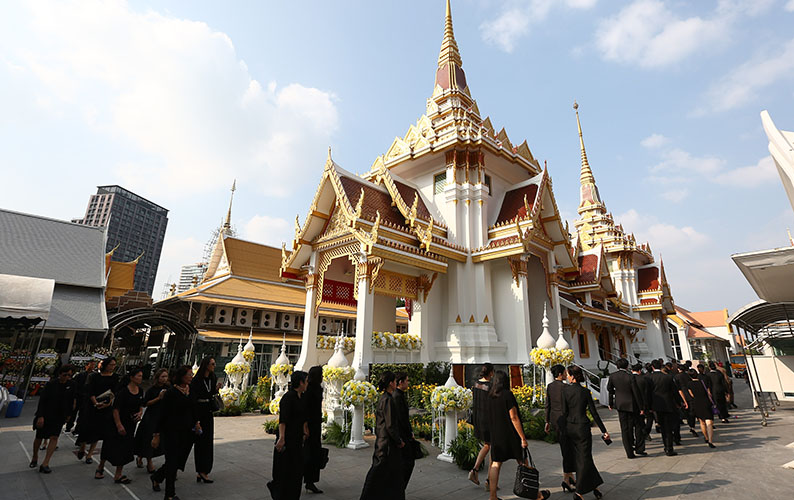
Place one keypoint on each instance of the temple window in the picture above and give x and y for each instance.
(439, 182)
(487, 182)
(584, 347)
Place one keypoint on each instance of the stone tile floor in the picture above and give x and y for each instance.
(746, 464)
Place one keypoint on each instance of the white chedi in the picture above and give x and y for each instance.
(335, 373)
(546, 339)
(281, 371)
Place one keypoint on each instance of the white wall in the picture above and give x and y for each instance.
(776, 374)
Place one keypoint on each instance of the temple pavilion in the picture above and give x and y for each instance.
(463, 225)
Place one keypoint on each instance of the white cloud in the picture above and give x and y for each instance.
(664, 238)
(750, 176)
(268, 230)
(678, 161)
(675, 195)
(176, 93)
(517, 16)
(744, 83)
(647, 33)
(654, 141)
(790, 6)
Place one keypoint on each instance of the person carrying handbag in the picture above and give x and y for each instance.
(702, 406)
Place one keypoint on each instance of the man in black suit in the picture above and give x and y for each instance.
(645, 388)
(664, 394)
(624, 396)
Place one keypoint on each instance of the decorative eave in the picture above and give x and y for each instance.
(612, 317)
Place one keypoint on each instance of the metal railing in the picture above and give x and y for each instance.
(592, 381)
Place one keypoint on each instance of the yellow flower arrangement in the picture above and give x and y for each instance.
(277, 370)
(446, 399)
(403, 341)
(358, 392)
(232, 368)
(274, 406)
(264, 380)
(328, 342)
(550, 357)
(249, 356)
(332, 374)
(229, 395)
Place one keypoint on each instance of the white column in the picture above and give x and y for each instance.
(364, 317)
(523, 325)
(308, 356)
(419, 324)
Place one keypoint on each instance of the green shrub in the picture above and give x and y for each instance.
(415, 371)
(230, 411)
(464, 449)
(437, 372)
(336, 435)
(271, 426)
(534, 428)
(248, 400)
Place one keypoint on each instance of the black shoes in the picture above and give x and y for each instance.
(80, 455)
(670, 453)
(597, 493)
(200, 479)
(33, 464)
(314, 489)
(155, 485)
(693, 432)
(641, 453)
(44, 469)
(544, 494)
(711, 445)
(566, 487)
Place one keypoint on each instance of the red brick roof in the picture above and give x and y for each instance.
(588, 269)
(513, 203)
(647, 302)
(375, 201)
(408, 194)
(648, 279)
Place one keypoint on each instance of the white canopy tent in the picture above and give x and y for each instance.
(22, 297)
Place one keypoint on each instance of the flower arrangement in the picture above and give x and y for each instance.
(102, 353)
(5, 349)
(45, 359)
(445, 399)
(550, 357)
(234, 368)
(274, 406)
(358, 392)
(419, 395)
(229, 395)
(328, 342)
(334, 374)
(283, 370)
(249, 356)
(404, 341)
(264, 381)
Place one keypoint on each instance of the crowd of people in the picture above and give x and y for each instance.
(102, 406)
(179, 408)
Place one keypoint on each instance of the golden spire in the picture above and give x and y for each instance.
(449, 74)
(586, 174)
(227, 224)
(449, 47)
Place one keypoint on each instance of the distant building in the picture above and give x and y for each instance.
(701, 336)
(190, 276)
(136, 229)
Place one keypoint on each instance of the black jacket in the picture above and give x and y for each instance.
(624, 395)
(554, 404)
(645, 386)
(664, 392)
(403, 421)
(718, 385)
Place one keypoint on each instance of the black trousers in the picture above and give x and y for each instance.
(167, 473)
(639, 433)
(690, 416)
(627, 424)
(203, 452)
(667, 420)
(408, 463)
(675, 425)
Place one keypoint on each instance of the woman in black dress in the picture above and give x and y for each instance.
(118, 447)
(98, 412)
(293, 429)
(479, 418)
(314, 417)
(701, 406)
(507, 433)
(385, 479)
(555, 422)
(152, 400)
(576, 400)
(175, 431)
(203, 388)
(55, 406)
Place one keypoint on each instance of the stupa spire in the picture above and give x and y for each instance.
(450, 73)
(227, 224)
(588, 191)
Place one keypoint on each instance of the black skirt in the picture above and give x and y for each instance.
(52, 428)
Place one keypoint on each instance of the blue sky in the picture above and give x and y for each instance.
(175, 99)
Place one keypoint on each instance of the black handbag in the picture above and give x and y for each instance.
(216, 402)
(527, 479)
(323, 458)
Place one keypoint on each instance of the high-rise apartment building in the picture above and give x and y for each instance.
(189, 274)
(136, 229)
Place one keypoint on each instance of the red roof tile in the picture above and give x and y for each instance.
(513, 203)
(408, 194)
(588, 269)
(375, 201)
(648, 279)
(647, 302)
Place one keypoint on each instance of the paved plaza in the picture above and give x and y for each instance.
(746, 464)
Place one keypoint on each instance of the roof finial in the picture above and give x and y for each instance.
(586, 173)
(227, 224)
(450, 73)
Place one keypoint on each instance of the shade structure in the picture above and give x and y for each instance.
(22, 297)
(770, 321)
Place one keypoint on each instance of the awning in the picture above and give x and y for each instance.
(25, 297)
(611, 317)
(221, 336)
(769, 272)
(769, 321)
